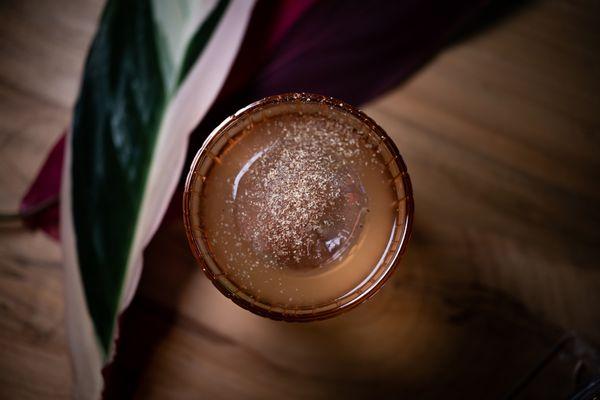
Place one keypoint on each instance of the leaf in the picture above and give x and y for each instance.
(152, 73)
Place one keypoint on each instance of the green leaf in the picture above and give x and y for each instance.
(136, 62)
(152, 73)
(113, 134)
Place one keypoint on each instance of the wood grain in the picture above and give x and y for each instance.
(42, 48)
(501, 134)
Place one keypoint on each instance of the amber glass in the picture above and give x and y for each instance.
(199, 242)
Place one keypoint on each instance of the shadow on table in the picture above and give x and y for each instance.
(425, 335)
(495, 13)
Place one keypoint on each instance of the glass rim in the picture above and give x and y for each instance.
(317, 312)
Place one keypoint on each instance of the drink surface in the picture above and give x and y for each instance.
(298, 207)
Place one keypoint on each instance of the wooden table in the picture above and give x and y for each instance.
(501, 134)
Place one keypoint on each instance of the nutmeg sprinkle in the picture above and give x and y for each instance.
(300, 200)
